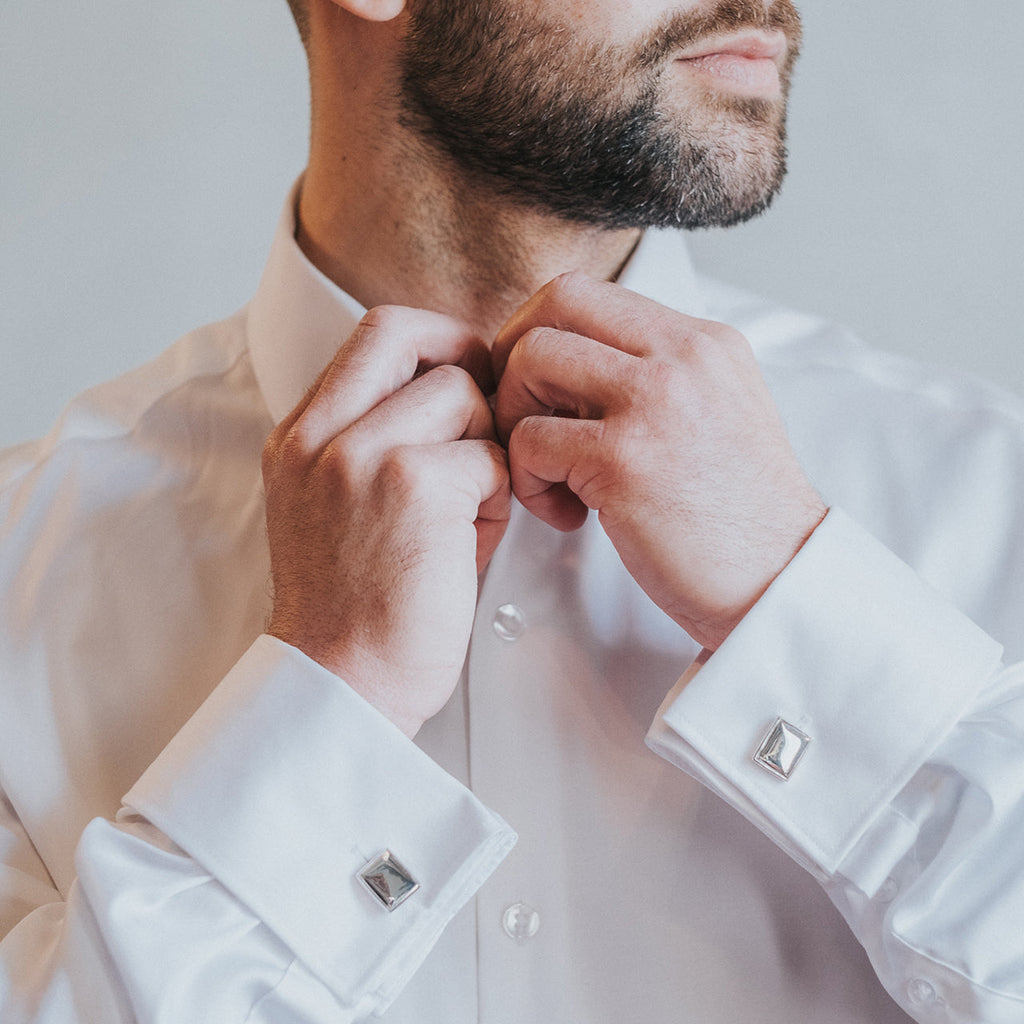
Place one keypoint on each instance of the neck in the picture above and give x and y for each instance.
(392, 222)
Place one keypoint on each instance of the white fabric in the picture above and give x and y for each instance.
(134, 589)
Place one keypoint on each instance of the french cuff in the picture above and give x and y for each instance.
(860, 666)
(287, 788)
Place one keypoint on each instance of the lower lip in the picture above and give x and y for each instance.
(751, 75)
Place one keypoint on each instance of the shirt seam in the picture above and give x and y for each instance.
(60, 443)
(982, 397)
(957, 972)
(270, 991)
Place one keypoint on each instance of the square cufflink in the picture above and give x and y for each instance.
(388, 880)
(780, 751)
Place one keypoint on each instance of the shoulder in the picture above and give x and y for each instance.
(930, 461)
(815, 364)
(205, 368)
(147, 460)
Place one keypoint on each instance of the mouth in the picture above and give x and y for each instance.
(748, 62)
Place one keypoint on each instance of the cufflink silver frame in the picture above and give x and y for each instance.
(389, 881)
(781, 749)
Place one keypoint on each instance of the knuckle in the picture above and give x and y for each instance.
(386, 318)
(720, 336)
(537, 338)
(345, 462)
(530, 346)
(618, 450)
(452, 386)
(298, 444)
(286, 450)
(566, 288)
(706, 350)
(447, 376)
(495, 452)
(403, 474)
(526, 434)
(604, 466)
(492, 460)
(571, 281)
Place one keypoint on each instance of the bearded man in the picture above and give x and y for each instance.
(695, 593)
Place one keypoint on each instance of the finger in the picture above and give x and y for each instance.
(475, 470)
(483, 473)
(553, 370)
(443, 405)
(494, 510)
(606, 312)
(288, 421)
(470, 478)
(385, 351)
(553, 464)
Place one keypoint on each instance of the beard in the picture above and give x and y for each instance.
(586, 131)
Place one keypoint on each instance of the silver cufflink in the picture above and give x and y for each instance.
(388, 880)
(781, 749)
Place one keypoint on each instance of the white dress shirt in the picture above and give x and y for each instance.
(187, 805)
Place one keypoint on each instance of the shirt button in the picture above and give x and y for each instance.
(889, 891)
(921, 992)
(521, 922)
(509, 622)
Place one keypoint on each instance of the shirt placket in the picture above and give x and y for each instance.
(515, 763)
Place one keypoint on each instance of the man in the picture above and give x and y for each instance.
(314, 826)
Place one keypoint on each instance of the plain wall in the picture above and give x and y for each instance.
(146, 148)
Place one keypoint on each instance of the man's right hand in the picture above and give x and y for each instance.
(387, 494)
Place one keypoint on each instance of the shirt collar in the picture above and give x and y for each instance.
(298, 317)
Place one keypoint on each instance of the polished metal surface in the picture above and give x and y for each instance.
(781, 750)
(388, 880)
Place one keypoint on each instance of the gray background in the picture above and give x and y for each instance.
(145, 149)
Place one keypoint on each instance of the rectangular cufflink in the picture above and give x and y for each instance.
(388, 880)
(780, 751)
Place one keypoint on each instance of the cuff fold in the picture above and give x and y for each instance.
(285, 784)
(852, 649)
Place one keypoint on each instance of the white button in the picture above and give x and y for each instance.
(509, 622)
(521, 922)
(921, 992)
(888, 892)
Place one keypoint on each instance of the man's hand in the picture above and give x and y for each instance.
(663, 424)
(386, 495)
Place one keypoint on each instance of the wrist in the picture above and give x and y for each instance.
(768, 556)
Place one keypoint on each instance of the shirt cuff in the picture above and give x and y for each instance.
(852, 649)
(285, 785)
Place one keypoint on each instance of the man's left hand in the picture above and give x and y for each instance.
(664, 425)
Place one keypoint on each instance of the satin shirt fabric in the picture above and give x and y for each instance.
(187, 804)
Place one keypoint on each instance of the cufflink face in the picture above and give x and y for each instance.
(388, 880)
(781, 749)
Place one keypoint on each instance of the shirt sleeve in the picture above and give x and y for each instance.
(871, 731)
(229, 888)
